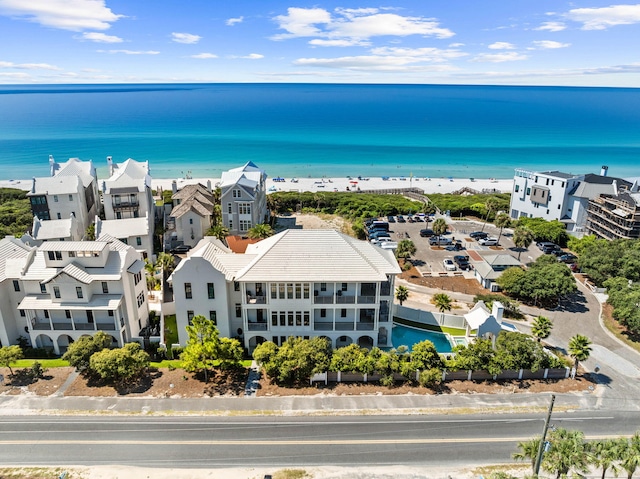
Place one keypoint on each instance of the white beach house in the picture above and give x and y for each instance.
(191, 215)
(296, 283)
(244, 198)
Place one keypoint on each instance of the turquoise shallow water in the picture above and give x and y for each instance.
(322, 130)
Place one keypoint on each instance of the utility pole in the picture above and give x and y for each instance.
(536, 468)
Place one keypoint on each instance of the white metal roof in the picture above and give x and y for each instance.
(55, 185)
(124, 228)
(98, 301)
(52, 229)
(12, 251)
(73, 246)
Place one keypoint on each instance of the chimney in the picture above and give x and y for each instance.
(110, 165)
(52, 165)
(174, 187)
(497, 310)
(33, 186)
(604, 170)
(209, 186)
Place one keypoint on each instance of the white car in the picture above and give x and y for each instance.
(488, 241)
(449, 265)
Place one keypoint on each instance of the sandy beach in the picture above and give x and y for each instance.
(428, 185)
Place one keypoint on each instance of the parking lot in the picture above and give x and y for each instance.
(428, 259)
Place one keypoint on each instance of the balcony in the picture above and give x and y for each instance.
(106, 326)
(256, 299)
(344, 326)
(346, 300)
(125, 204)
(323, 299)
(40, 325)
(257, 326)
(366, 299)
(364, 326)
(85, 327)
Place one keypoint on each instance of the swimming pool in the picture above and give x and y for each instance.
(408, 336)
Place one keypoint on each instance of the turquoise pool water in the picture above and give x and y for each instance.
(407, 336)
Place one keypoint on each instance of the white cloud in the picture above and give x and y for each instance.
(456, 45)
(185, 38)
(233, 21)
(355, 24)
(549, 45)
(253, 56)
(29, 66)
(15, 75)
(605, 17)
(499, 57)
(552, 26)
(74, 15)
(389, 59)
(100, 37)
(502, 46)
(132, 52)
(204, 56)
(338, 43)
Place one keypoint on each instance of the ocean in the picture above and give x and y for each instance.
(322, 129)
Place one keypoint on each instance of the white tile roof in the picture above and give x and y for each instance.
(130, 174)
(77, 168)
(317, 255)
(13, 255)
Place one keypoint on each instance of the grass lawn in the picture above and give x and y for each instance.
(45, 363)
(431, 327)
(170, 331)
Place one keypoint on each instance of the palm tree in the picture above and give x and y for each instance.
(631, 455)
(442, 302)
(541, 328)
(502, 221)
(522, 238)
(219, 231)
(579, 349)
(260, 231)
(402, 294)
(528, 450)
(439, 227)
(605, 453)
(167, 262)
(567, 451)
(490, 205)
(406, 248)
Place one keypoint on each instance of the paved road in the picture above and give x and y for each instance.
(266, 441)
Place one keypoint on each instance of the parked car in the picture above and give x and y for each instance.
(391, 219)
(549, 248)
(426, 233)
(410, 219)
(180, 249)
(418, 218)
(401, 219)
(448, 264)
(489, 241)
(440, 241)
(567, 258)
(379, 234)
(462, 261)
(476, 235)
(456, 246)
(381, 239)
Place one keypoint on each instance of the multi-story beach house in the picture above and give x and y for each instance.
(61, 290)
(615, 215)
(297, 283)
(191, 215)
(72, 189)
(243, 197)
(554, 195)
(491, 268)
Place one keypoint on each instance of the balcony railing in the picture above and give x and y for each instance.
(63, 326)
(343, 326)
(41, 326)
(85, 327)
(366, 299)
(364, 326)
(323, 326)
(106, 326)
(257, 326)
(256, 299)
(125, 204)
(345, 299)
(323, 299)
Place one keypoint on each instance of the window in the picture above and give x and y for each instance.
(140, 299)
(56, 292)
(290, 318)
(190, 221)
(547, 182)
(323, 286)
(55, 198)
(58, 255)
(298, 318)
(229, 208)
(89, 316)
(211, 291)
(323, 313)
(236, 286)
(238, 310)
(517, 188)
(213, 317)
(46, 313)
(59, 216)
(138, 241)
(274, 318)
(70, 197)
(298, 291)
(187, 291)
(289, 290)
(245, 225)
(189, 317)
(274, 291)
(244, 208)
(137, 277)
(43, 288)
(16, 285)
(230, 224)
(528, 191)
(281, 291)
(22, 313)
(118, 215)
(237, 193)
(306, 318)
(105, 287)
(110, 313)
(72, 254)
(344, 286)
(305, 290)
(283, 318)
(79, 292)
(343, 313)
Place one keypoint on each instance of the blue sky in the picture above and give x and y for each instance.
(534, 42)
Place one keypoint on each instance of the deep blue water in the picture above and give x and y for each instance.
(406, 336)
(315, 130)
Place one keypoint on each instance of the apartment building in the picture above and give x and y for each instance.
(244, 198)
(71, 189)
(62, 290)
(615, 216)
(296, 283)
